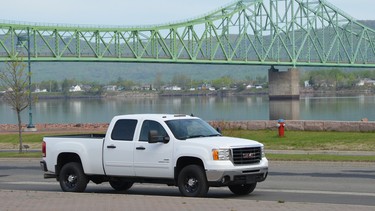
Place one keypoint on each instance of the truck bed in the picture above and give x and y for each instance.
(92, 135)
(88, 146)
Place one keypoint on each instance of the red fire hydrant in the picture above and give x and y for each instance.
(281, 126)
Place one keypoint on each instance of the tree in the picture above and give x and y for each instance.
(15, 78)
(181, 80)
(50, 85)
(66, 85)
(224, 81)
(158, 81)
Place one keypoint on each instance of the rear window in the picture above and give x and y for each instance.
(124, 130)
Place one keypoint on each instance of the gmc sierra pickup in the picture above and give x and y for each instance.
(177, 150)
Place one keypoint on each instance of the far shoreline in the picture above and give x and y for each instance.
(197, 93)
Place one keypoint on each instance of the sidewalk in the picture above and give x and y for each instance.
(30, 200)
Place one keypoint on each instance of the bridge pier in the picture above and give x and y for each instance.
(283, 85)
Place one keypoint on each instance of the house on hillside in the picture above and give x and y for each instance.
(366, 82)
(172, 88)
(40, 90)
(75, 88)
(110, 88)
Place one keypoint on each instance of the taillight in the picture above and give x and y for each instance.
(44, 149)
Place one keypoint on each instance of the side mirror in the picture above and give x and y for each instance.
(153, 137)
(218, 130)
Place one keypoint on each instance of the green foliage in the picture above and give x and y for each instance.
(66, 84)
(50, 86)
(335, 79)
(225, 81)
(158, 81)
(181, 80)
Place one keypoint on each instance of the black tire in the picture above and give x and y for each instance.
(120, 184)
(72, 178)
(243, 189)
(192, 181)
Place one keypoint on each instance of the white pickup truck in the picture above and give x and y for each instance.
(178, 150)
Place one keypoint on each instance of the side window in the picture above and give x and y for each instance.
(151, 125)
(124, 130)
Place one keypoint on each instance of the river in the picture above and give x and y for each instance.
(340, 108)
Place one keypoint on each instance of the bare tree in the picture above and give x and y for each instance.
(15, 79)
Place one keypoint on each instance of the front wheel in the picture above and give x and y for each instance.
(72, 178)
(192, 181)
(243, 189)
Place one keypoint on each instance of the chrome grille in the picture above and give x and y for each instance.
(247, 155)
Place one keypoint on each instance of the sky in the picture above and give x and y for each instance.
(136, 12)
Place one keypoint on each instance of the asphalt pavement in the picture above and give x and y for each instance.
(34, 200)
(50, 200)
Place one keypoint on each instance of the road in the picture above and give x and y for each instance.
(306, 182)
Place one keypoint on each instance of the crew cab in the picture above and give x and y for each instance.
(177, 150)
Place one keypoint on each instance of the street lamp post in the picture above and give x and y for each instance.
(30, 126)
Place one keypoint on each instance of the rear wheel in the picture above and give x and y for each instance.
(192, 181)
(120, 184)
(72, 178)
(243, 189)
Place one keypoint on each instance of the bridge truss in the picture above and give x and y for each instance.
(258, 32)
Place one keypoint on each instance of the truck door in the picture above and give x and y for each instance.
(153, 160)
(118, 149)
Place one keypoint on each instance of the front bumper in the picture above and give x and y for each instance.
(241, 175)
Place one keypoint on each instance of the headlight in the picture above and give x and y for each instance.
(221, 154)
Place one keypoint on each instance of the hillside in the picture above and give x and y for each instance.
(139, 72)
(368, 23)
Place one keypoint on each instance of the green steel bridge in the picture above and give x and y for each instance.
(249, 32)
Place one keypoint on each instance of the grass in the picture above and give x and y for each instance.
(309, 140)
(22, 155)
(293, 140)
(12, 138)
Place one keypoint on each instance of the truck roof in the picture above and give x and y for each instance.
(159, 117)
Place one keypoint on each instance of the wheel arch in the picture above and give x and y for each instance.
(185, 161)
(64, 158)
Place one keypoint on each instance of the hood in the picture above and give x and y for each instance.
(224, 142)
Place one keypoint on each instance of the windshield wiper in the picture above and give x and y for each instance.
(200, 136)
(214, 135)
(195, 136)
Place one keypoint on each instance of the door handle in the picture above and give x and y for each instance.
(140, 148)
(111, 146)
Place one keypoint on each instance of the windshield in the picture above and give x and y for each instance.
(191, 128)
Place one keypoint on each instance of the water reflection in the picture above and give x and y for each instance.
(284, 109)
(352, 108)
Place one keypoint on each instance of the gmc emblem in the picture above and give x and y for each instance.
(248, 155)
